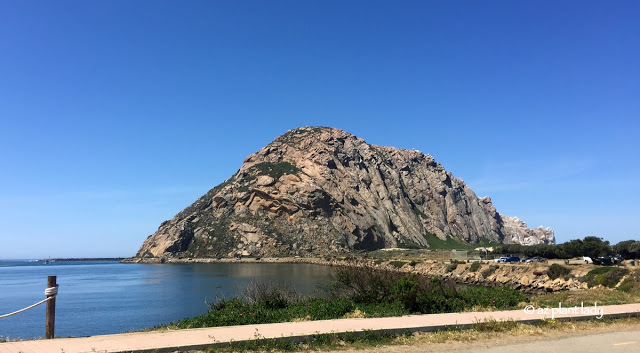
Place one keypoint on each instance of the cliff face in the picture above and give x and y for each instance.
(322, 190)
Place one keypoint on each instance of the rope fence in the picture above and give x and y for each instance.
(50, 292)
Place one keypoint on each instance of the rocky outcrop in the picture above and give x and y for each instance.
(530, 278)
(516, 232)
(315, 191)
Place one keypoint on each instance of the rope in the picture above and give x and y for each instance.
(50, 292)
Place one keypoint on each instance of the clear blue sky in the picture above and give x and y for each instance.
(115, 115)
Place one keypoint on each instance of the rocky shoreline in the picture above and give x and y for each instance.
(529, 278)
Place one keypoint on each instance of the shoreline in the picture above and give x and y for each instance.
(527, 278)
(173, 260)
(85, 259)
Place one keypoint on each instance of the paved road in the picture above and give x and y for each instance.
(611, 342)
(200, 338)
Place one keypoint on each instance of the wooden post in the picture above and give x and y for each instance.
(51, 310)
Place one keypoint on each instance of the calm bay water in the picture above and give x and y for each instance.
(108, 297)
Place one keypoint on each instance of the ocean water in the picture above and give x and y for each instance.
(104, 297)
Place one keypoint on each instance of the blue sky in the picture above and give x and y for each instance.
(115, 115)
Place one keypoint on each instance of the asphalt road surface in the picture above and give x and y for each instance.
(585, 342)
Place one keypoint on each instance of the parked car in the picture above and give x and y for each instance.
(608, 260)
(512, 259)
(533, 259)
(500, 259)
(604, 260)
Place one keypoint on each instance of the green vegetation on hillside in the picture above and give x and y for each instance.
(631, 284)
(450, 243)
(274, 170)
(605, 276)
(419, 213)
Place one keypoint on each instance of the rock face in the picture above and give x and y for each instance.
(316, 191)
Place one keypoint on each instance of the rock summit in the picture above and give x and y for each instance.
(317, 191)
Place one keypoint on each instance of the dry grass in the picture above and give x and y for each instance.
(356, 314)
(602, 296)
(502, 330)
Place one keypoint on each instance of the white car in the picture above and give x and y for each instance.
(501, 259)
(587, 260)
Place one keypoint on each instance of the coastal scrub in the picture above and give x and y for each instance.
(353, 292)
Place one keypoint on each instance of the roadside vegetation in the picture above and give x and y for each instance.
(352, 292)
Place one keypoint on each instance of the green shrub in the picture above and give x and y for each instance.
(442, 299)
(271, 295)
(627, 285)
(275, 170)
(489, 270)
(451, 267)
(556, 271)
(397, 264)
(605, 276)
(405, 290)
(498, 297)
(474, 266)
(631, 284)
(362, 284)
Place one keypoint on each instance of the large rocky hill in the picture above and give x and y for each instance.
(317, 190)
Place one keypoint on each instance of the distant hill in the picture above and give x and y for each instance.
(319, 190)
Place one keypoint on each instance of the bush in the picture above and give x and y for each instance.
(627, 285)
(275, 170)
(362, 284)
(442, 298)
(451, 267)
(489, 270)
(556, 271)
(271, 295)
(416, 293)
(405, 290)
(397, 264)
(631, 284)
(499, 297)
(474, 266)
(605, 276)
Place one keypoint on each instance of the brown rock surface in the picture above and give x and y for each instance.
(322, 190)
